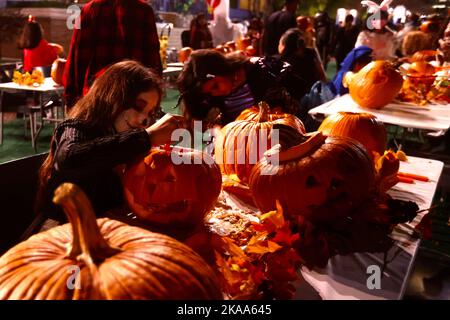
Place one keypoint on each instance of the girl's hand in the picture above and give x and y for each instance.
(161, 132)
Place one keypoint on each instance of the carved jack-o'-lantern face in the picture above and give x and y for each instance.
(164, 193)
(322, 179)
(375, 85)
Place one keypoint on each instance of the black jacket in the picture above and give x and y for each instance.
(87, 157)
(270, 79)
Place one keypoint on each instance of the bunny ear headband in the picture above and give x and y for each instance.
(373, 7)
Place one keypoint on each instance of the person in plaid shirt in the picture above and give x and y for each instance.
(110, 31)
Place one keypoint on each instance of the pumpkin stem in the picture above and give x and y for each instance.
(88, 243)
(264, 111)
(314, 141)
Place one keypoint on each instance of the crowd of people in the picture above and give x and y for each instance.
(113, 88)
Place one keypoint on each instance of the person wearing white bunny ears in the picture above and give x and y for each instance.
(377, 36)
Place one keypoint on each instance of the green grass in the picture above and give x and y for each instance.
(331, 69)
(17, 145)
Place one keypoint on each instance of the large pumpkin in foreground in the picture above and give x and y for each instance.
(242, 143)
(172, 187)
(363, 127)
(102, 259)
(375, 85)
(321, 179)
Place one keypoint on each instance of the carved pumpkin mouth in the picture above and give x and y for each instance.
(167, 208)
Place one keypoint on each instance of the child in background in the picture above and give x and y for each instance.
(37, 52)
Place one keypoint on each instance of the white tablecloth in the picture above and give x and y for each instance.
(48, 86)
(432, 117)
(345, 277)
(172, 71)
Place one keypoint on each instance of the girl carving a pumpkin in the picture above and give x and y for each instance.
(216, 88)
(108, 127)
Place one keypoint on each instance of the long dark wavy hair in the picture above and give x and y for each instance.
(113, 92)
(201, 66)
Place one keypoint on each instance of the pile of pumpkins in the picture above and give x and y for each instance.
(321, 176)
(420, 77)
(379, 82)
(242, 45)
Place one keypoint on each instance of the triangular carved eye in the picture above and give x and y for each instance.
(311, 182)
(335, 183)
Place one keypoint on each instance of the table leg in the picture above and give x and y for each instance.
(1, 117)
(37, 131)
(33, 129)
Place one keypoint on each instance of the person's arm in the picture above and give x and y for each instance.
(150, 44)
(80, 54)
(76, 152)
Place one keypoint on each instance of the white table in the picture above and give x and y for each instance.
(172, 70)
(47, 87)
(345, 277)
(175, 64)
(431, 117)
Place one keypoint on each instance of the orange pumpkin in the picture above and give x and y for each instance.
(91, 259)
(222, 49)
(425, 55)
(239, 145)
(250, 51)
(321, 179)
(184, 54)
(173, 194)
(231, 45)
(363, 127)
(243, 43)
(430, 26)
(375, 85)
(59, 49)
(421, 68)
(57, 70)
(263, 113)
(421, 76)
